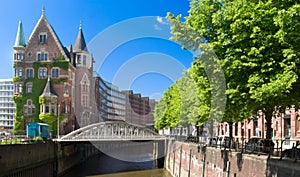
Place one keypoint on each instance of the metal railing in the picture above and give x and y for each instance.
(275, 151)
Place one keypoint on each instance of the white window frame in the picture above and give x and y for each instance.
(44, 74)
(42, 37)
(29, 87)
(42, 56)
(55, 76)
(27, 69)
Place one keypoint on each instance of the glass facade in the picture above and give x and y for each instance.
(125, 105)
(111, 101)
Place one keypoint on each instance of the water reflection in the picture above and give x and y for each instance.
(141, 164)
(144, 173)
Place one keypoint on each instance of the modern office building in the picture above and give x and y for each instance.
(114, 104)
(7, 106)
(110, 101)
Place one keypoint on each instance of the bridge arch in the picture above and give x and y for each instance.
(111, 131)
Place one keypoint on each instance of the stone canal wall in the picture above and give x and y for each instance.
(22, 160)
(186, 160)
(43, 159)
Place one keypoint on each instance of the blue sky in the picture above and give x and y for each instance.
(128, 38)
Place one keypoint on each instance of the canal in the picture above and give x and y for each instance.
(140, 163)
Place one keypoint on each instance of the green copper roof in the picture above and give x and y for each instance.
(20, 40)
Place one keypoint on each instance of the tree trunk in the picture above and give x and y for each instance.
(199, 131)
(268, 117)
(230, 132)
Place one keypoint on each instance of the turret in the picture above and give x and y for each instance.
(20, 40)
(81, 54)
(20, 44)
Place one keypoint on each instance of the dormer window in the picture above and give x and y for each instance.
(43, 37)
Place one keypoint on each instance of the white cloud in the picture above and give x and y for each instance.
(161, 20)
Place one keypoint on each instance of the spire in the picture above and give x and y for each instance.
(20, 40)
(47, 90)
(43, 11)
(80, 44)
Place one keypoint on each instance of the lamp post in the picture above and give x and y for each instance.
(58, 121)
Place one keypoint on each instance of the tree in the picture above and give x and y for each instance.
(167, 111)
(257, 53)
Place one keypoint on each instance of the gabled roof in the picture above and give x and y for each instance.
(80, 44)
(20, 39)
(44, 20)
(47, 90)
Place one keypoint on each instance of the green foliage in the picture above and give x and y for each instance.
(59, 80)
(167, 112)
(51, 120)
(17, 79)
(41, 100)
(17, 64)
(38, 138)
(257, 44)
(63, 64)
(38, 86)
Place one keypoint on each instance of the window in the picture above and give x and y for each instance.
(67, 89)
(84, 87)
(55, 54)
(29, 73)
(19, 56)
(43, 38)
(18, 72)
(55, 72)
(18, 88)
(29, 108)
(29, 87)
(78, 59)
(42, 73)
(84, 60)
(42, 56)
(85, 100)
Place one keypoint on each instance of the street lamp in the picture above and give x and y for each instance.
(58, 121)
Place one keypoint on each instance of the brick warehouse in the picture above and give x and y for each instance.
(285, 127)
(52, 81)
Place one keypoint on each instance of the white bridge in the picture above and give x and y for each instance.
(111, 131)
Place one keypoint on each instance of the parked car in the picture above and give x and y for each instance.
(253, 144)
(223, 141)
(4, 133)
(266, 145)
(291, 153)
(213, 141)
(260, 145)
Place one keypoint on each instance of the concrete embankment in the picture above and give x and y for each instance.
(187, 160)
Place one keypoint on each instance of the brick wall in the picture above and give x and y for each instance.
(184, 160)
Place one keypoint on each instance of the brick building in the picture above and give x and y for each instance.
(139, 110)
(285, 127)
(52, 80)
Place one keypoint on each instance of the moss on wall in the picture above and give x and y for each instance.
(38, 86)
